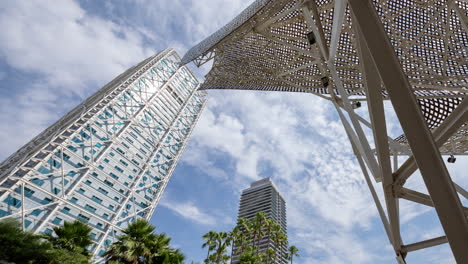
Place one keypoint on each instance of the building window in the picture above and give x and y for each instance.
(108, 183)
(124, 163)
(121, 151)
(103, 191)
(72, 148)
(118, 169)
(13, 201)
(46, 200)
(96, 199)
(66, 210)
(90, 208)
(83, 218)
(36, 212)
(57, 221)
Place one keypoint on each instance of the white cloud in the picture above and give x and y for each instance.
(297, 137)
(306, 149)
(67, 53)
(190, 211)
(311, 160)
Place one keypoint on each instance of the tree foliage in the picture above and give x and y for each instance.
(72, 236)
(245, 240)
(20, 246)
(140, 245)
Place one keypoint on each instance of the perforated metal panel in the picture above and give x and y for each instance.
(266, 48)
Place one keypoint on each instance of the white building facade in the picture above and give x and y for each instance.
(108, 160)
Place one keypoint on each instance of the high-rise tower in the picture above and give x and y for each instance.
(263, 196)
(108, 160)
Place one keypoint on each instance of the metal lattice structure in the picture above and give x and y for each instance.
(413, 53)
(108, 161)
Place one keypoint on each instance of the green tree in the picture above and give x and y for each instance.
(270, 255)
(269, 226)
(139, 244)
(210, 240)
(60, 256)
(292, 252)
(250, 256)
(169, 256)
(19, 246)
(218, 243)
(242, 235)
(72, 236)
(257, 226)
(245, 239)
(223, 241)
(136, 245)
(22, 247)
(160, 246)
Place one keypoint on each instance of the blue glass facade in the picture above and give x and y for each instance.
(106, 162)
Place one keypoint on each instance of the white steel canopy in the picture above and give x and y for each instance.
(414, 53)
(267, 46)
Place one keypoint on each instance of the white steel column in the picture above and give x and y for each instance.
(425, 151)
(379, 128)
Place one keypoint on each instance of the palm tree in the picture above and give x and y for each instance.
(223, 241)
(73, 236)
(169, 256)
(270, 255)
(210, 239)
(243, 235)
(257, 229)
(269, 225)
(19, 246)
(138, 243)
(176, 257)
(292, 253)
(249, 256)
(234, 235)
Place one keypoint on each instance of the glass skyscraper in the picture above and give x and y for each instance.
(108, 160)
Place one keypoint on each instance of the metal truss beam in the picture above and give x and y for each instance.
(338, 17)
(354, 144)
(425, 244)
(441, 134)
(425, 151)
(418, 197)
(312, 20)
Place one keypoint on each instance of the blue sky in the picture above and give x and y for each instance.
(53, 54)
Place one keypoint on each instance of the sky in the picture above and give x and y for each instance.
(54, 54)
